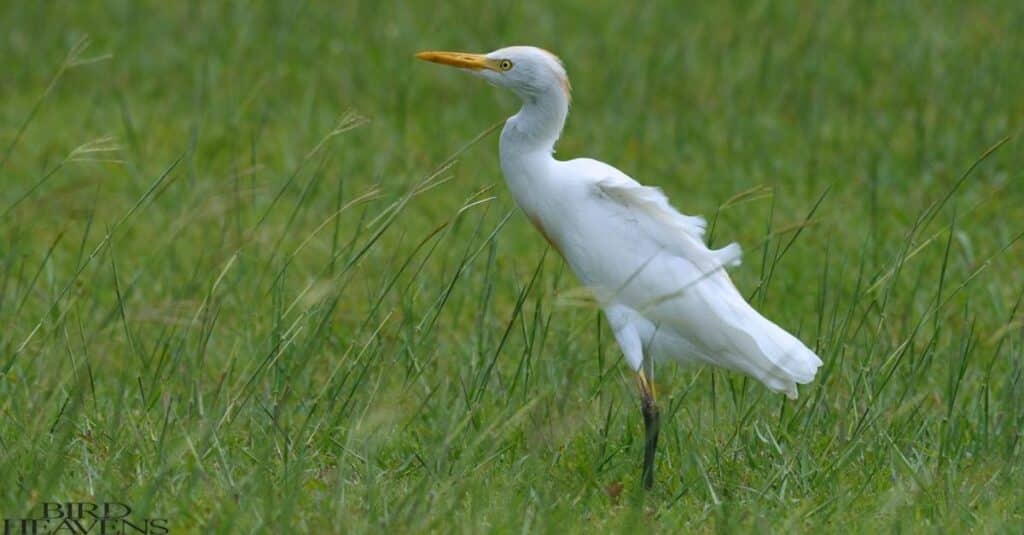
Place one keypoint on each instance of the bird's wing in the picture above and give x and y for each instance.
(701, 305)
(680, 234)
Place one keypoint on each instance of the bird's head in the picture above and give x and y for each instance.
(528, 71)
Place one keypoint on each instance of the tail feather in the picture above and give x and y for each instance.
(764, 350)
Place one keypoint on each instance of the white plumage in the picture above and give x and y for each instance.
(664, 292)
(660, 286)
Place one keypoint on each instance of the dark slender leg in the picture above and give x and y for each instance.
(652, 424)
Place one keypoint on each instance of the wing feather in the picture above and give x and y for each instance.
(677, 232)
(727, 331)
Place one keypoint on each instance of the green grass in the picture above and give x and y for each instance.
(254, 275)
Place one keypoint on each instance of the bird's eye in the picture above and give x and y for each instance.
(505, 65)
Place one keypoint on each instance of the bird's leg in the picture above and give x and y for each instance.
(652, 424)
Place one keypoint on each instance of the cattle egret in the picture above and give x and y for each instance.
(665, 294)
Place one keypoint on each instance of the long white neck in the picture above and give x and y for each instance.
(529, 137)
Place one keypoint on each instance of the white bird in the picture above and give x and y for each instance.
(665, 294)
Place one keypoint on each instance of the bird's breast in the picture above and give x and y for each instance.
(538, 223)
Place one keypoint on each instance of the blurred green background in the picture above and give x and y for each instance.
(255, 277)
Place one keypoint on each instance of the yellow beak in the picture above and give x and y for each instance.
(463, 60)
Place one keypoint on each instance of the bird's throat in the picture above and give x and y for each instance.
(527, 143)
(538, 124)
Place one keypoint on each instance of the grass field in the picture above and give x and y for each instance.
(256, 276)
